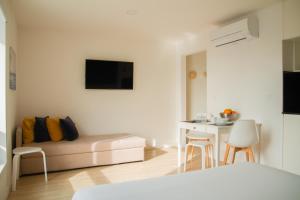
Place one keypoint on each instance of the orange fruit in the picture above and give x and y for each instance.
(227, 111)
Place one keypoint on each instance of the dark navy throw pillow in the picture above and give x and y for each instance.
(41, 133)
(69, 129)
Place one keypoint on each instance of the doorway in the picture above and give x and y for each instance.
(196, 85)
(2, 90)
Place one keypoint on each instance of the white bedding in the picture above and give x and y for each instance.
(243, 181)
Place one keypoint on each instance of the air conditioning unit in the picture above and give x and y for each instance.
(244, 29)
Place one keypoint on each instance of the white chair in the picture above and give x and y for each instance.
(207, 151)
(18, 152)
(242, 137)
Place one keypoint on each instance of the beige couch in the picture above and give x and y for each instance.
(86, 151)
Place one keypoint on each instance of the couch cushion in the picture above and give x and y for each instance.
(85, 144)
(41, 133)
(28, 130)
(69, 129)
(54, 129)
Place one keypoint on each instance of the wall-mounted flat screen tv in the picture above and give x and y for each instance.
(105, 74)
(291, 92)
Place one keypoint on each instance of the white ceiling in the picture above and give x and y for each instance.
(155, 19)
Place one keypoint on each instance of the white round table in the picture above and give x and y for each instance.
(18, 152)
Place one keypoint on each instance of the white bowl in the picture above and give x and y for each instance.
(221, 120)
(230, 117)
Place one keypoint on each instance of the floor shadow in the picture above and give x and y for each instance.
(153, 152)
(63, 184)
(194, 164)
(71, 180)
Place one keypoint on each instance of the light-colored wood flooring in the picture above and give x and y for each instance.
(62, 185)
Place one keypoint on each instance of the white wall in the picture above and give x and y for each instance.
(52, 75)
(291, 161)
(291, 29)
(11, 40)
(291, 16)
(2, 78)
(247, 77)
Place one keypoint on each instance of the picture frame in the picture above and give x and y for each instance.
(12, 69)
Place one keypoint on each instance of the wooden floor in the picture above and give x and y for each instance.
(62, 185)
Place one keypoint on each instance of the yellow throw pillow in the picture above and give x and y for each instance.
(28, 130)
(54, 129)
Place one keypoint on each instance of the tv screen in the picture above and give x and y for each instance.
(104, 74)
(291, 92)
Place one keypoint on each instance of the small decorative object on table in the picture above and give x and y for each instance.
(222, 121)
(230, 114)
(203, 117)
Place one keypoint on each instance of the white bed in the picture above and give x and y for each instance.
(243, 181)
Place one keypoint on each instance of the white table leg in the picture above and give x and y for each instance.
(185, 157)
(257, 147)
(14, 174)
(217, 151)
(178, 147)
(45, 166)
(181, 143)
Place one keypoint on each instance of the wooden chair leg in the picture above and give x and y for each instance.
(192, 156)
(251, 155)
(247, 155)
(202, 158)
(206, 156)
(226, 154)
(211, 155)
(209, 149)
(233, 156)
(192, 152)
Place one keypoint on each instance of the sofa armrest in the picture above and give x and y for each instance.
(19, 136)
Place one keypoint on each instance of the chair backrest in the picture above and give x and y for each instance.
(243, 134)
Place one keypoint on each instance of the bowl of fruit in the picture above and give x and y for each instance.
(229, 114)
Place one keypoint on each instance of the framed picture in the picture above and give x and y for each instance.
(12, 69)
